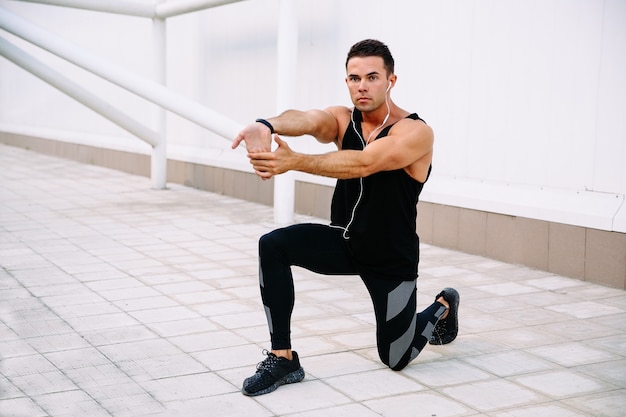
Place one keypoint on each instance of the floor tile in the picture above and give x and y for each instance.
(336, 364)
(420, 404)
(338, 411)
(226, 405)
(493, 395)
(586, 309)
(572, 354)
(71, 403)
(305, 396)
(550, 409)
(613, 372)
(445, 373)
(561, 384)
(374, 384)
(231, 357)
(21, 407)
(607, 404)
(509, 363)
(187, 387)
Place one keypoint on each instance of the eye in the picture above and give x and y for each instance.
(354, 79)
(373, 77)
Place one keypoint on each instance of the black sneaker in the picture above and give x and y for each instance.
(272, 373)
(447, 329)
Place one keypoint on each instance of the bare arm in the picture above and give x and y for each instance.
(321, 124)
(408, 142)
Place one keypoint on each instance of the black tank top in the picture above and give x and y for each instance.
(382, 235)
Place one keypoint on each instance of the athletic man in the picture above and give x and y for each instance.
(383, 160)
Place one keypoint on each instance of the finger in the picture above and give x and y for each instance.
(236, 142)
(261, 156)
(260, 166)
(263, 175)
(278, 140)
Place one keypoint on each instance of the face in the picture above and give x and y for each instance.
(367, 82)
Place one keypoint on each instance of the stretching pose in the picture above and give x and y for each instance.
(383, 160)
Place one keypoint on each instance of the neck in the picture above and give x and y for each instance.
(380, 116)
(373, 122)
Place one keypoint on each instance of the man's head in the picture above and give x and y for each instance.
(370, 75)
(372, 47)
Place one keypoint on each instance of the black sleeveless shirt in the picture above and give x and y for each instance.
(382, 236)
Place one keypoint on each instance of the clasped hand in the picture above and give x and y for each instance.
(268, 164)
(258, 141)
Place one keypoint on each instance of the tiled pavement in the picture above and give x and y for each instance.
(119, 300)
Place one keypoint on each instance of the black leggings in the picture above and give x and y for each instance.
(401, 334)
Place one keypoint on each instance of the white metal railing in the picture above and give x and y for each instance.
(151, 90)
(147, 89)
(160, 10)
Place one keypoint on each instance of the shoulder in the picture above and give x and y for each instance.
(342, 117)
(414, 127)
(335, 115)
(339, 112)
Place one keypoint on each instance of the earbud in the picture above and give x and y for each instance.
(389, 86)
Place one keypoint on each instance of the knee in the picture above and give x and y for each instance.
(263, 240)
(395, 363)
(398, 367)
(266, 243)
(395, 367)
(273, 247)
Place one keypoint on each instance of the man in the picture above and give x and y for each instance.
(383, 160)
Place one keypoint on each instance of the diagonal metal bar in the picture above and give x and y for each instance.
(69, 87)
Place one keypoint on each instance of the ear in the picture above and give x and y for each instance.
(392, 81)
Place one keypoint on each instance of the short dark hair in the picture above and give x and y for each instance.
(372, 47)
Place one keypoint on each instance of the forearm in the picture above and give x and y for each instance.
(291, 123)
(316, 123)
(340, 164)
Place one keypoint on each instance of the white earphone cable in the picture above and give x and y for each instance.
(358, 200)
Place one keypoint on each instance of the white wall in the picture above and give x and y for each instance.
(527, 97)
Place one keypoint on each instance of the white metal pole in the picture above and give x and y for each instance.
(158, 162)
(77, 92)
(284, 185)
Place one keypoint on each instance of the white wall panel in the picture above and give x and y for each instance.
(526, 96)
(610, 145)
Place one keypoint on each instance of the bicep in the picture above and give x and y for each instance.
(325, 125)
(400, 149)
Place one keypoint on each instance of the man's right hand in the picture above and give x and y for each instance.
(256, 136)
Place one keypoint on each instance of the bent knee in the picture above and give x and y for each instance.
(397, 363)
(398, 367)
(267, 242)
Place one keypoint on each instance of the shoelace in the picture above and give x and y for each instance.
(440, 328)
(438, 333)
(268, 362)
